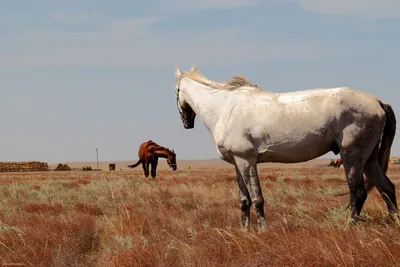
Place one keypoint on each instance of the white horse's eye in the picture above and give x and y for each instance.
(178, 103)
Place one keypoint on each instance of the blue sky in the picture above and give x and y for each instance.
(76, 75)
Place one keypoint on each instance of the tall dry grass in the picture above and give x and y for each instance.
(187, 218)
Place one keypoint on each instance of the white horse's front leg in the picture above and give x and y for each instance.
(249, 175)
(245, 200)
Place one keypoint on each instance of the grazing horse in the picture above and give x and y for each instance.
(149, 152)
(251, 126)
(336, 164)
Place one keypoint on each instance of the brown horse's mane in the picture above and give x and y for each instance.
(157, 147)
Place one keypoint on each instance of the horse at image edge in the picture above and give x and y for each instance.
(251, 126)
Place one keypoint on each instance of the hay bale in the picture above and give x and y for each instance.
(28, 166)
(62, 167)
(86, 168)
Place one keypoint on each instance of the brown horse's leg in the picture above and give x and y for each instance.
(145, 165)
(147, 168)
(154, 164)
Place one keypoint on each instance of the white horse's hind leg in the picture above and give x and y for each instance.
(386, 188)
(358, 143)
(249, 175)
(354, 173)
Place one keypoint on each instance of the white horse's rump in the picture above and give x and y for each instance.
(250, 126)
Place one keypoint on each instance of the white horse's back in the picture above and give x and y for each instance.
(296, 126)
(304, 95)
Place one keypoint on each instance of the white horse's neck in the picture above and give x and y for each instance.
(205, 101)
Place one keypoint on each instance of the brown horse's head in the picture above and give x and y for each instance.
(171, 159)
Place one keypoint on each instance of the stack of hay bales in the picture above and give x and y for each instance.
(62, 167)
(27, 166)
(87, 168)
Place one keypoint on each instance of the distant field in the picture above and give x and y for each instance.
(185, 164)
(188, 218)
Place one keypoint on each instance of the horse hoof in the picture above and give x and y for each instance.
(362, 219)
(350, 223)
(394, 219)
(262, 225)
(245, 229)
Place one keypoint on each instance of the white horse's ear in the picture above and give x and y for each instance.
(194, 68)
(177, 71)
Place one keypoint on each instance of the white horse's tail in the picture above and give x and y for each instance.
(386, 142)
(388, 136)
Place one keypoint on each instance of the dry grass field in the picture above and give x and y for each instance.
(188, 218)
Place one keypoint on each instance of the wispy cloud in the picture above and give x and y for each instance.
(70, 18)
(205, 4)
(183, 6)
(360, 8)
(129, 42)
(132, 42)
(130, 25)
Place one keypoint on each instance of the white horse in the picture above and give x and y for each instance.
(250, 126)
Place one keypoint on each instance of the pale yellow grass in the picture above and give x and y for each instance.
(187, 218)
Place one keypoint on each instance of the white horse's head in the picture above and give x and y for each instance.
(187, 114)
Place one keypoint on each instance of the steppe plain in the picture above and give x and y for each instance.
(189, 218)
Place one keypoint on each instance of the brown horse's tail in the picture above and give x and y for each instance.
(135, 165)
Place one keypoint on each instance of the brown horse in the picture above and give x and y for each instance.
(335, 164)
(149, 152)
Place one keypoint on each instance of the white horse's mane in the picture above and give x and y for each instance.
(234, 83)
